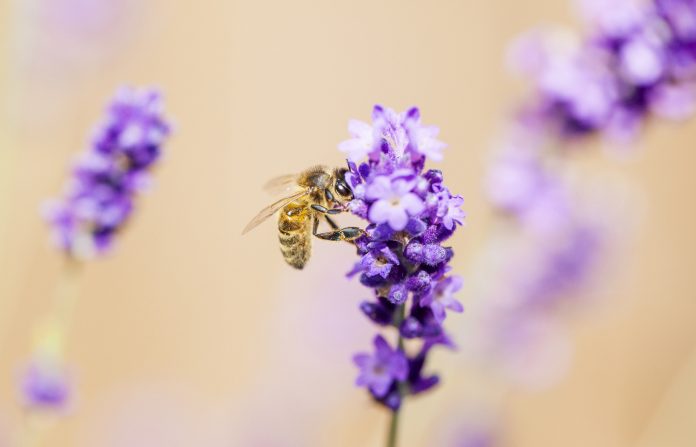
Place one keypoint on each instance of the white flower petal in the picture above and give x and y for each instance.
(359, 128)
(380, 188)
(380, 211)
(413, 204)
(398, 218)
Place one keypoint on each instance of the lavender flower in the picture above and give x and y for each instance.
(380, 370)
(45, 385)
(636, 62)
(410, 213)
(394, 201)
(442, 298)
(100, 196)
(396, 134)
(379, 261)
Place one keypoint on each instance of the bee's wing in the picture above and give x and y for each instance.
(283, 184)
(271, 209)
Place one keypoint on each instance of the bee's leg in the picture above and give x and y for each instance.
(341, 234)
(324, 210)
(315, 224)
(348, 234)
(333, 224)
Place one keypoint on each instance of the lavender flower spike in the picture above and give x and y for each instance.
(100, 196)
(638, 61)
(409, 213)
(379, 371)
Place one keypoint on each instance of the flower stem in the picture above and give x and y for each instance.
(52, 333)
(393, 429)
(394, 425)
(67, 294)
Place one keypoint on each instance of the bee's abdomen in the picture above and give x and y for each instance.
(294, 235)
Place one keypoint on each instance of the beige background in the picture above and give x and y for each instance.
(193, 335)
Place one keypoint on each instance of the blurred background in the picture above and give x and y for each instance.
(189, 334)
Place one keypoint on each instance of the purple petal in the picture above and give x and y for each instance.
(380, 211)
(413, 204)
(380, 188)
(381, 345)
(454, 305)
(416, 227)
(413, 114)
(362, 359)
(381, 387)
(354, 149)
(456, 283)
(399, 367)
(398, 218)
(359, 128)
(401, 187)
(426, 300)
(438, 311)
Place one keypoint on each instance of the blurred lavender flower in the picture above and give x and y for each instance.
(45, 385)
(410, 214)
(522, 185)
(638, 61)
(552, 251)
(100, 196)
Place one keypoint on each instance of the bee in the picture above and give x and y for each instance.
(310, 196)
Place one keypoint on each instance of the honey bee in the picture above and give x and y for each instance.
(309, 196)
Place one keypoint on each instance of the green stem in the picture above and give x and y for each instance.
(394, 425)
(393, 429)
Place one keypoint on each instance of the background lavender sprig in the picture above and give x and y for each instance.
(98, 201)
(410, 214)
(99, 198)
(638, 60)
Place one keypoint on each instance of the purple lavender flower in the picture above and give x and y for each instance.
(442, 297)
(423, 138)
(515, 181)
(410, 213)
(681, 16)
(364, 142)
(421, 323)
(393, 134)
(416, 381)
(633, 64)
(379, 261)
(621, 74)
(100, 196)
(369, 140)
(380, 370)
(394, 200)
(521, 186)
(380, 312)
(45, 385)
(449, 209)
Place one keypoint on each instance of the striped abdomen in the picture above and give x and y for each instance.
(294, 233)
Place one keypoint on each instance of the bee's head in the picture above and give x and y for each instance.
(340, 191)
